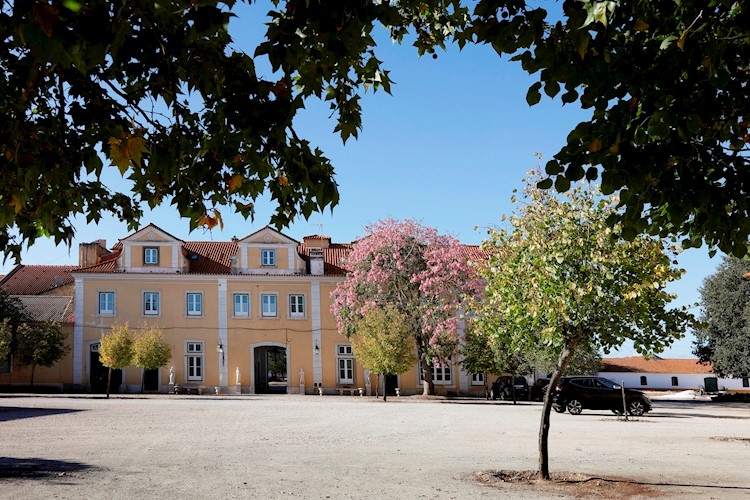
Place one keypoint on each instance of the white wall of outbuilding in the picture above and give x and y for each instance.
(663, 381)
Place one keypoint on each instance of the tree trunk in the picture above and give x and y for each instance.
(109, 380)
(385, 393)
(143, 380)
(565, 354)
(33, 368)
(513, 386)
(428, 385)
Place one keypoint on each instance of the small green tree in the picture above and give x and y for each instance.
(477, 356)
(511, 360)
(582, 362)
(383, 343)
(489, 352)
(12, 310)
(40, 345)
(12, 315)
(562, 278)
(116, 350)
(6, 337)
(150, 351)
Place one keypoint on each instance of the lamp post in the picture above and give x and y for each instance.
(220, 349)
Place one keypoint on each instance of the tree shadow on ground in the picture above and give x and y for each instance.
(8, 413)
(38, 468)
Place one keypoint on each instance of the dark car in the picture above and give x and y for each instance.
(538, 389)
(502, 389)
(596, 393)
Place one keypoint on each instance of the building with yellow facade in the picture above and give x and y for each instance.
(249, 316)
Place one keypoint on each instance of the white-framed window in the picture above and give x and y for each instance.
(268, 305)
(442, 374)
(267, 257)
(242, 305)
(477, 379)
(296, 305)
(151, 303)
(194, 304)
(106, 303)
(194, 361)
(345, 364)
(151, 256)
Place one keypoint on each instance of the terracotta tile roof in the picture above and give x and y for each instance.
(210, 257)
(334, 257)
(49, 307)
(639, 364)
(475, 253)
(35, 280)
(107, 264)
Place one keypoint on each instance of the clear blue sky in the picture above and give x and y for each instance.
(447, 149)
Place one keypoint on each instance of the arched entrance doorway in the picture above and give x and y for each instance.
(98, 374)
(270, 369)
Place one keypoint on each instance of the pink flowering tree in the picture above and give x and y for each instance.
(422, 274)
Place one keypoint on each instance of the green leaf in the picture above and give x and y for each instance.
(533, 96)
(667, 42)
(553, 167)
(562, 184)
(72, 5)
(551, 88)
(544, 184)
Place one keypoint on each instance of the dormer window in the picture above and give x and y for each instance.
(151, 256)
(268, 257)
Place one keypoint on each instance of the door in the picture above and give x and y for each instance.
(391, 382)
(270, 370)
(610, 395)
(151, 380)
(585, 392)
(711, 384)
(98, 374)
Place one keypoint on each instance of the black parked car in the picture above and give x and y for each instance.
(538, 389)
(595, 393)
(501, 388)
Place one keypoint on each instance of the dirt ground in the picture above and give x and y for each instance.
(359, 447)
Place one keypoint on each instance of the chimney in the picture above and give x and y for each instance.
(89, 254)
(317, 266)
(317, 241)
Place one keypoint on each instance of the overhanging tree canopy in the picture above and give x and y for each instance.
(668, 87)
(161, 92)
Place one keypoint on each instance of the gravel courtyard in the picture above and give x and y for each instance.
(353, 447)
